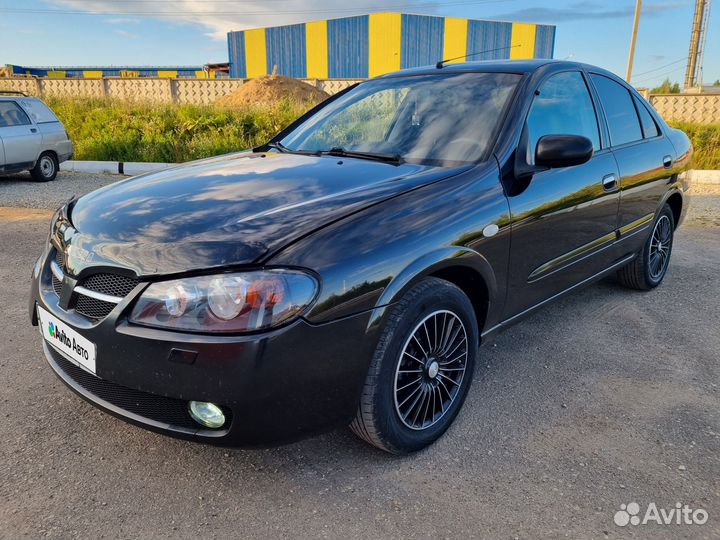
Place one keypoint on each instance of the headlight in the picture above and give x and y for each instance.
(238, 302)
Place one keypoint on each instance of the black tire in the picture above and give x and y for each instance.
(46, 168)
(646, 271)
(379, 420)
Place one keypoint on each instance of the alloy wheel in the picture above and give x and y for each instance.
(431, 369)
(660, 244)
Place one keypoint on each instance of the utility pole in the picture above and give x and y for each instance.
(693, 63)
(633, 39)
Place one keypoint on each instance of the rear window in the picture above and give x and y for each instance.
(649, 126)
(38, 111)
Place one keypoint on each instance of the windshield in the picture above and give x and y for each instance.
(438, 119)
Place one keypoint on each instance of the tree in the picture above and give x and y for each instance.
(717, 83)
(667, 87)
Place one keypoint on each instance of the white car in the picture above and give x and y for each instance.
(31, 137)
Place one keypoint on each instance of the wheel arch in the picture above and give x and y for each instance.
(47, 151)
(463, 267)
(674, 200)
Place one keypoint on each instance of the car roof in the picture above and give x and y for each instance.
(497, 66)
(13, 97)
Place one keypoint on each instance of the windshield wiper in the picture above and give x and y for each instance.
(395, 159)
(280, 147)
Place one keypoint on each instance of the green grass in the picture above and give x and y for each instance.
(119, 131)
(706, 141)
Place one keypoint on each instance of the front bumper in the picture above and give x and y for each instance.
(275, 387)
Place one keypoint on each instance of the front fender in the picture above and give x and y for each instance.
(432, 263)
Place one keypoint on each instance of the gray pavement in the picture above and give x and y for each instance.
(605, 398)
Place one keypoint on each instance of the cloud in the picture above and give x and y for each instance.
(122, 20)
(218, 18)
(584, 11)
(126, 34)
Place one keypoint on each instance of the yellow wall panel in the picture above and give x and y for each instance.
(56, 74)
(316, 44)
(168, 74)
(255, 53)
(385, 35)
(92, 74)
(523, 41)
(455, 38)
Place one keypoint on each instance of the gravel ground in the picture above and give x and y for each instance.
(19, 190)
(604, 398)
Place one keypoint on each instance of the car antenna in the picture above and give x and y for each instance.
(441, 63)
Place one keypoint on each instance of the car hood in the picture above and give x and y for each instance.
(233, 210)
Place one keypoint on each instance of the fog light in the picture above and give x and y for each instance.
(206, 414)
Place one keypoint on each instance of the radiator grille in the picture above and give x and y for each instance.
(92, 307)
(112, 284)
(105, 283)
(56, 283)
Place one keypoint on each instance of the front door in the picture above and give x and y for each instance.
(564, 218)
(21, 138)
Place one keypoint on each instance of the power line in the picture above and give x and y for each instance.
(665, 74)
(683, 59)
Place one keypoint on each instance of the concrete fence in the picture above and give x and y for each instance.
(199, 91)
(700, 108)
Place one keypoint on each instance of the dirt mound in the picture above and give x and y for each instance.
(270, 90)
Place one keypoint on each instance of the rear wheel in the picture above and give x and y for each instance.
(421, 370)
(648, 269)
(46, 168)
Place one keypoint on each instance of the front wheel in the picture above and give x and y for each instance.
(648, 269)
(421, 370)
(46, 168)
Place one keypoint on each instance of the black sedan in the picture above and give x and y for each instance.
(346, 271)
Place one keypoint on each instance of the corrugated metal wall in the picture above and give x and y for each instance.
(493, 37)
(544, 41)
(348, 47)
(422, 40)
(370, 45)
(286, 49)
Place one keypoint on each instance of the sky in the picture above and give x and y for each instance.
(193, 32)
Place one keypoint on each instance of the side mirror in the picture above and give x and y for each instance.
(563, 151)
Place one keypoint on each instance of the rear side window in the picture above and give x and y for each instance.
(38, 111)
(620, 112)
(563, 107)
(649, 126)
(12, 115)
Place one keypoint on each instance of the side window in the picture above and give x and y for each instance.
(12, 115)
(563, 107)
(649, 126)
(620, 112)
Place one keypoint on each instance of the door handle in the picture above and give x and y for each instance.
(667, 162)
(33, 130)
(609, 182)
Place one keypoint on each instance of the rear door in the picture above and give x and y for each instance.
(563, 219)
(21, 138)
(644, 156)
